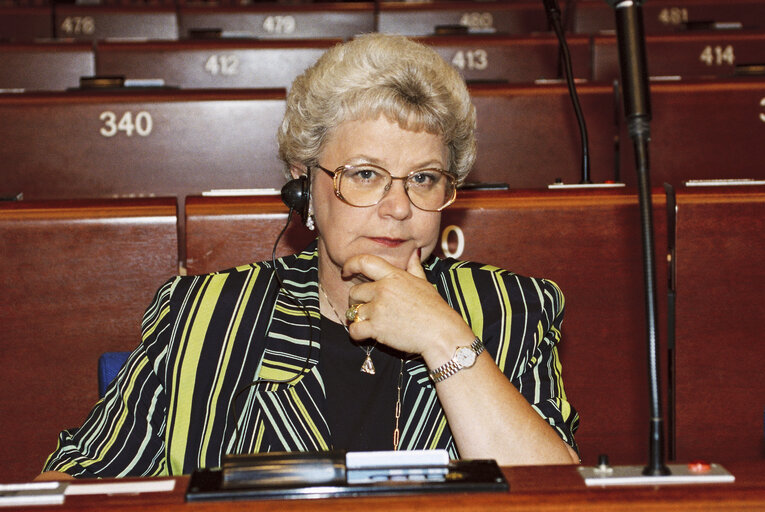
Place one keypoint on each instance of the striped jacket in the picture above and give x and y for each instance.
(206, 338)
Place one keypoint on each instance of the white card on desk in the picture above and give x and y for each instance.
(165, 485)
(32, 493)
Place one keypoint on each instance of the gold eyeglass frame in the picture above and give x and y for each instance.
(336, 184)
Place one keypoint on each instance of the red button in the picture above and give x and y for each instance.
(699, 467)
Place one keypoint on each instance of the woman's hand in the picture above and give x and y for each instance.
(401, 309)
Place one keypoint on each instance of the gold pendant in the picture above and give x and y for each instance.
(368, 366)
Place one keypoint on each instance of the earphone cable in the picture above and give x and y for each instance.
(304, 368)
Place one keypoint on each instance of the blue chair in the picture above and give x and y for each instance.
(109, 365)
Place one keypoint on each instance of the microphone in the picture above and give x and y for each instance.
(632, 63)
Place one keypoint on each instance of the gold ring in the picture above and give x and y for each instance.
(352, 313)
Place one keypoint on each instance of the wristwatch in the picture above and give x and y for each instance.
(464, 357)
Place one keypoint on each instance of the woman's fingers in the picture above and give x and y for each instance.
(414, 266)
(369, 266)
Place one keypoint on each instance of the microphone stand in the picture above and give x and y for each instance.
(637, 110)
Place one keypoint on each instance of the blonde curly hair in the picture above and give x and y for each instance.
(378, 74)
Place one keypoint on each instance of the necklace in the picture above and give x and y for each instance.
(368, 365)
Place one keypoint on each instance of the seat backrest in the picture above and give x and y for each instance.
(77, 277)
(527, 135)
(25, 24)
(589, 243)
(512, 59)
(720, 277)
(204, 64)
(224, 232)
(100, 22)
(686, 55)
(270, 20)
(709, 129)
(109, 365)
(422, 19)
(594, 16)
(45, 66)
(142, 143)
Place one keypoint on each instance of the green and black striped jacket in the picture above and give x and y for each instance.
(204, 338)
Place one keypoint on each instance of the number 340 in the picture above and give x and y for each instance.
(142, 124)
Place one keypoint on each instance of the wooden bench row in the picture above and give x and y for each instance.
(154, 142)
(78, 274)
(223, 64)
(278, 20)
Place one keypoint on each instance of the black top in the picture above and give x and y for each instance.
(360, 406)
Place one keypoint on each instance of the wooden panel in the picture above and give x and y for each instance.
(421, 19)
(688, 55)
(528, 136)
(593, 16)
(588, 242)
(212, 64)
(271, 20)
(76, 279)
(48, 66)
(96, 22)
(719, 355)
(182, 142)
(511, 58)
(704, 130)
(25, 24)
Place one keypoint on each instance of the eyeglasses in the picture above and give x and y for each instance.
(362, 185)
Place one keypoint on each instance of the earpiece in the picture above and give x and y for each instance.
(296, 194)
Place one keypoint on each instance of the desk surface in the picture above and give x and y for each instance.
(531, 488)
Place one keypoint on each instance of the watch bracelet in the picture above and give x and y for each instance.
(451, 367)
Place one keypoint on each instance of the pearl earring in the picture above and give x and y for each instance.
(309, 222)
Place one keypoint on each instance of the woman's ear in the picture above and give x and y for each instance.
(297, 170)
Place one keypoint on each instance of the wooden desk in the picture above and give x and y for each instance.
(541, 488)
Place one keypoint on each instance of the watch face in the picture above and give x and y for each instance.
(465, 357)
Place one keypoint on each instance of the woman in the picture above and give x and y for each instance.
(453, 355)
